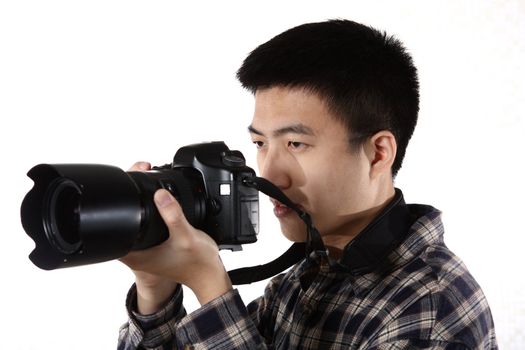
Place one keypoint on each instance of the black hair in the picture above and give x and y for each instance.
(366, 78)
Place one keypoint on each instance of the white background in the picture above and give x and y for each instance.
(118, 81)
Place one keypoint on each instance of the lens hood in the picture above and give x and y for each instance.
(80, 213)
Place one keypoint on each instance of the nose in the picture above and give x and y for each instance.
(274, 168)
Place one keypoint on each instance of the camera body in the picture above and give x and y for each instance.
(232, 208)
(81, 214)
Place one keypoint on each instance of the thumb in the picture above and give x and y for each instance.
(170, 210)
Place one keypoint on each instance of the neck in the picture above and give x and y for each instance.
(336, 241)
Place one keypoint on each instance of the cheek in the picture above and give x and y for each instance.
(335, 191)
(322, 186)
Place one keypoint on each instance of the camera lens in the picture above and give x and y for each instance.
(62, 215)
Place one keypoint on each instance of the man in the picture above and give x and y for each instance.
(335, 106)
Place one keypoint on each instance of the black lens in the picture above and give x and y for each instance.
(62, 215)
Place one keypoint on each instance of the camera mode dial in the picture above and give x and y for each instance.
(233, 159)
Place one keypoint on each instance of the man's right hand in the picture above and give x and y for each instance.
(189, 256)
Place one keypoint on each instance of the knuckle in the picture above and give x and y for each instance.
(174, 218)
(185, 244)
(140, 166)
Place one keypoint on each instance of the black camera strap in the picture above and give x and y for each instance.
(247, 275)
(294, 254)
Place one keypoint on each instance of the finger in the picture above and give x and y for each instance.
(140, 166)
(171, 211)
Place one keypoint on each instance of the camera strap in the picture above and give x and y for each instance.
(297, 252)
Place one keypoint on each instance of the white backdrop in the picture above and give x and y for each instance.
(118, 81)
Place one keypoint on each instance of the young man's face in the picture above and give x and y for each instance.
(305, 151)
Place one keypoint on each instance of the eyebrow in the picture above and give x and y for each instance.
(298, 128)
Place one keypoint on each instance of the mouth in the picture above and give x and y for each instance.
(280, 210)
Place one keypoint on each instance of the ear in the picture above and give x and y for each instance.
(382, 148)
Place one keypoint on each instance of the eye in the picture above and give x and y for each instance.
(258, 144)
(295, 145)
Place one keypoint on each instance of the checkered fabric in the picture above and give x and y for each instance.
(421, 297)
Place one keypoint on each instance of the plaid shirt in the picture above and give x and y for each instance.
(423, 297)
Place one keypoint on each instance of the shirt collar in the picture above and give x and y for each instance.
(427, 230)
(376, 247)
(372, 245)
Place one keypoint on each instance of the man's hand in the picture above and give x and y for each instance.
(189, 256)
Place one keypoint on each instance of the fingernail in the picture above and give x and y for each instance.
(163, 198)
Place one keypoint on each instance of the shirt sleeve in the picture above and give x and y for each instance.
(150, 331)
(223, 323)
(416, 344)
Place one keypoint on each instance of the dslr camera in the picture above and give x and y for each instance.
(81, 214)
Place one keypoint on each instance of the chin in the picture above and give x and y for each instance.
(294, 233)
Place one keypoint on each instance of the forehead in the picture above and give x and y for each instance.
(277, 107)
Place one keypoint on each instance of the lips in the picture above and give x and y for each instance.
(280, 210)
